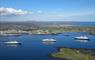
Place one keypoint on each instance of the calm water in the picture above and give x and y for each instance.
(84, 23)
(33, 48)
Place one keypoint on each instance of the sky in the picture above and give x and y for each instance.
(47, 10)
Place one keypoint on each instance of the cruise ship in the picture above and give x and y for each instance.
(82, 38)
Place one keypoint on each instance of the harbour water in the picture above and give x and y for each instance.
(32, 47)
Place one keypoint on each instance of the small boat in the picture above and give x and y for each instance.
(49, 40)
(82, 38)
(12, 42)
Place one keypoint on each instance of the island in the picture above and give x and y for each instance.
(73, 54)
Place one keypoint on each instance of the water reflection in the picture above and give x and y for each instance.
(12, 45)
(9, 45)
(48, 43)
(85, 41)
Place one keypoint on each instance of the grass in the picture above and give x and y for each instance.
(89, 29)
(72, 54)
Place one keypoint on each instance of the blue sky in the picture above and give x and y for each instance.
(47, 10)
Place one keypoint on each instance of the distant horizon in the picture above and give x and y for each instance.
(47, 21)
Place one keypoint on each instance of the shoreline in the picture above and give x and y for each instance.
(49, 31)
(81, 50)
(19, 34)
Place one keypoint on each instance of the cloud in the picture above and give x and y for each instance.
(11, 11)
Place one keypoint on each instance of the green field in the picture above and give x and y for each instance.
(73, 54)
(89, 29)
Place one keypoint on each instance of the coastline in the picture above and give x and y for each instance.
(49, 31)
(60, 54)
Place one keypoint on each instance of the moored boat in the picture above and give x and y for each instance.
(82, 38)
(49, 40)
(12, 42)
